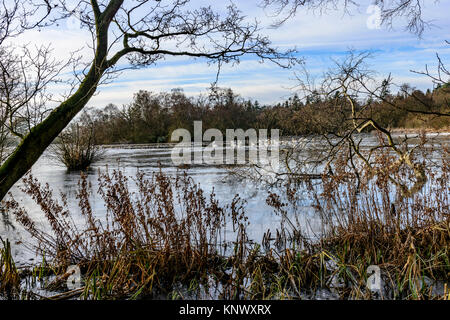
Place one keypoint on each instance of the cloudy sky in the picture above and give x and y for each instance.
(318, 38)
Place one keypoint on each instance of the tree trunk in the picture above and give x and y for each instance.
(43, 134)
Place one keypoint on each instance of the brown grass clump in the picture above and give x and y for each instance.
(9, 276)
(169, 240)
(167, 232)
(373, 223)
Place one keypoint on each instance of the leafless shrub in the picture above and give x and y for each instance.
(75, 148)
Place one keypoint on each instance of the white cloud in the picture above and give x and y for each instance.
(318, 37)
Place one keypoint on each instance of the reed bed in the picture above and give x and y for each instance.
(366, 220)
(167, 233)
(169, 239)
(9, 276)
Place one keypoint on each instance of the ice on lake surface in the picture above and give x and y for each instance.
(151, 158)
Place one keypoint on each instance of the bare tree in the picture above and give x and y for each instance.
(352, 90)
(347, 100)
(8, 19)
(441, 76)
(143, 31)
(391, 10)
(25, 76)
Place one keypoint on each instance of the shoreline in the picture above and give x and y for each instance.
(420, 130)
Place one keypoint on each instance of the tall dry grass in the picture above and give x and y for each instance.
(167, 232)
(9, 276)
(365, 220)
(169, 239)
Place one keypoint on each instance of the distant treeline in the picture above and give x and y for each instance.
(151, 117)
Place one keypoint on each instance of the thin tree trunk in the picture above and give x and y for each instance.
(43, 134)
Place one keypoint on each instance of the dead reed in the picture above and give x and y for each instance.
(169, 239)
(167, 232)
(9, 276)
(366, 220)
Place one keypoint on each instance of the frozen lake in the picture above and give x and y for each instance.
(148, 159)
